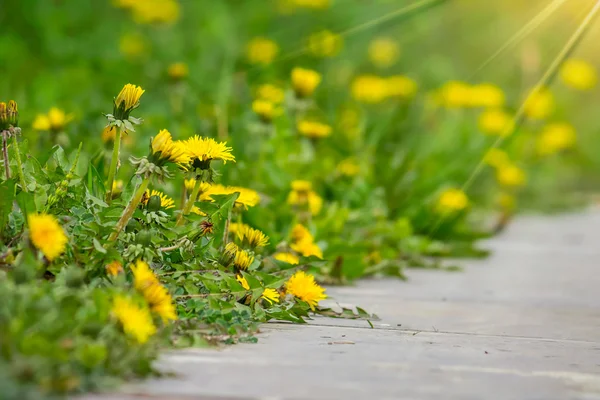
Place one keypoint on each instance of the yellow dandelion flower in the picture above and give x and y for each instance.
(313, 129)
(261, 50)
(369, 89)
(325, 43)
(164, 149)
(452, 200)
(178, 71)
(487, 95)
(160, 302)
(300, 234)
(496, 158)
(301, 185)
(579, 74)
(47, 235)
(247, 197)
(348, 167)
(454, 94)
(114, 268)
(155, 11)
(304, 287)
(250, 236)
(313, 4)
(305, 198)
(539, 104)
(265, 109)
(165, 201)
(555, 137)
(510, 175)
(242, 259)
(56, 120)
(135, 320)
(236, 227)
(305, 81)
(271, 93)
(143, 276)
(315, 203)
(201, 151)
(127, 100)
(383, 52)
(400, 86)
(243, 281)
(289, 258)
(307, 249)
(495, 122)
(270, 295)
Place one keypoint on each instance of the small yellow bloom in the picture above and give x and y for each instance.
(539, 104)
(452, 200)
(271, 93)
(156, 295)
(304, 287)
(143, 276)
(135, 320)
(510, 175)
(369, 89)
(47, 235)
(495, 122)
(270, 295)
(454, 94)
(247, 197)
(496, 158)
(242, 259)
(348, 167)
(305, 197)
(164, 149)
(383, 52)
(165, 201)
(307, 249)
(314, 4)
(250, 236)
(114, 268)
(400, 86)
(178, 71)
(127, 100)
(261, 50)
(265, 109)
(54, 121)
(287, 258)
(314, 129)
(325, 43)
(154, 11)
(300, 234)
(305, 81)
(487, 95)
(556, 137)
(201, 151)
(579, 74)
(243, 281)
(300, 185)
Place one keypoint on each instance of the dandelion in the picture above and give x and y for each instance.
(178, 71)
(201, 151)
(313, 4)
(539, 104)
(300, 234)
(370, 89)
(165, 149)
(247, 197)
(252, 237)
(510, 175)
(487, 95)
(400, 86)
(242, 259)
(153, 11)
(261, 50)
(47, 235)
(579, 74)
(313, 129)
(325, 43)
(304, 196)
(383, 52)
(495, 121)
(270, 295)
(496, 158)
(243, 281)
(305, 81)
(143, 276)
(55, 120)
(452, 200)
(114, 268)
(454, 94)
(348, 167)
(270, 93)
(555, 137)
(266, 110)
(286, 257)
(155, 294)
(165, 201)
(135, 320)
(126, 101)
(304, 287)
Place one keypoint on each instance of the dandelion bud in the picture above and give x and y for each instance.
(3, 116)
(242, 260)
(13, 113)
(231, 249)
(126, 101)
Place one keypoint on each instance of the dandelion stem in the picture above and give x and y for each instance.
(19, 163)
(128, 211)
(113, 165)
(5, 153)
(191, 200)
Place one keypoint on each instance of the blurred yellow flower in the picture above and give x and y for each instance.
(300, 185)
(510, 175)
(109, 133)
(348, 167)
(304, 287)
(47, 235)
(247, 197)
(452, 200)
(400, 86)
(164, 149)
(300, 233)
(495, 121)
(271, 93)
(579, 74)
(539, 104)
(190, 183)
(54, 121)
(304, 197)
(325, 43)
(496, 158)
(242, 259)
(454, 94)
(314, 129)
(156, 295)
(369, 89)
(305, 81)
(133, 45)
(114, 268)
(487, 95)
(152, 11)
(200, 151)
(265, 109)
(383, 52)
(270, 295)
(143, 277)
(135, 320)
(287, 258)
(555, 137)
(165, 201)
(303, 242)
(178, 71)
(261, 50)
(314, 4)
